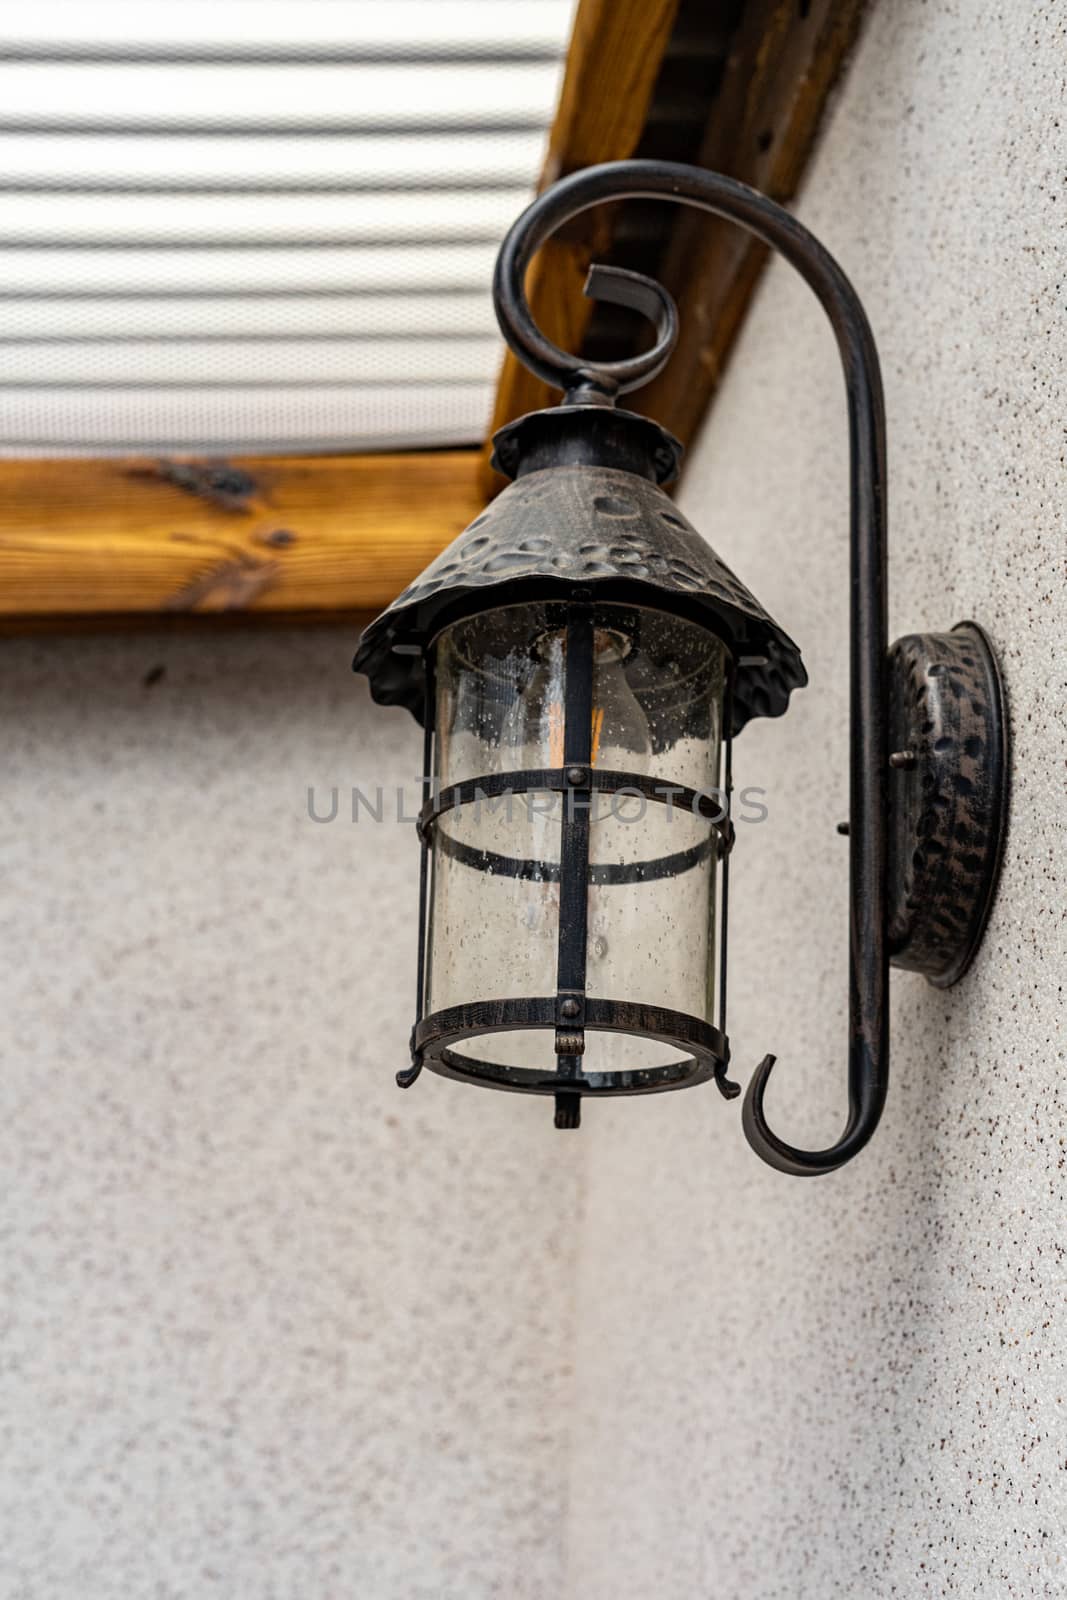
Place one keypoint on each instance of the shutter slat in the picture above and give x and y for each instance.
(364, 29)
(245, 272)
(435, 316)
(191, 161)
(284, 362)
(81, 422)
(165, 95)
(212, 219)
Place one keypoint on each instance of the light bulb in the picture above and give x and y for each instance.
(535, 724)
(620, 727)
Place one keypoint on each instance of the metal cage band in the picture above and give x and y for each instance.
(601, 874)
(572, 780)
(436, 1034)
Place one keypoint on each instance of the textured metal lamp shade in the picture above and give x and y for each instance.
(586, 511)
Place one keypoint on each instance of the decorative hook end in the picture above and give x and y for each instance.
(726, 1086)
(865, 1108)
(767, 1145)
(617, 286)
(582, 382)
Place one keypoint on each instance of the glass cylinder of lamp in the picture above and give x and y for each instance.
(493, 933)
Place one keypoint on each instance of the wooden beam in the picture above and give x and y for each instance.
(289, 536)
(762, 126)
(615, 55)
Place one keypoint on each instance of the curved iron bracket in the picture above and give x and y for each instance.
(868, 1051)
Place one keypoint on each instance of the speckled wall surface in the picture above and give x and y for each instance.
(270, 1329)
(857, 1386)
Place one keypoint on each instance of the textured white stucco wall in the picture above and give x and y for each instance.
(855, 1386)
(268, 1328)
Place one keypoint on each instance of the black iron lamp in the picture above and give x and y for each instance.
(581, 661)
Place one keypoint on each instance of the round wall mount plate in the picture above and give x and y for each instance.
(948, 798)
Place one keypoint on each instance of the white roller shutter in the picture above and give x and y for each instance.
(261, 224)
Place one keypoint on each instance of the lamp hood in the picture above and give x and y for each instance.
(586, 513)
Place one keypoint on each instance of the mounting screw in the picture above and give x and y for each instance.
(903, 758)
(569, 1008)
(575, 775)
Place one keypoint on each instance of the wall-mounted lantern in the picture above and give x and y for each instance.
(581, 661)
